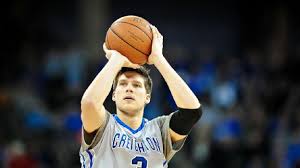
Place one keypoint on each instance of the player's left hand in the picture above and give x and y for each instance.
(157, 46)
(108, 52)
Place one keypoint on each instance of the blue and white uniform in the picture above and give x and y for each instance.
(116, 145)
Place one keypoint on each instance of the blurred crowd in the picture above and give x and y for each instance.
(251, 109)
(250, 97)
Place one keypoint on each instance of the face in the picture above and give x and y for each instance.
(130, 93)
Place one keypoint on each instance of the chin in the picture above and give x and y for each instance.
(129, 109)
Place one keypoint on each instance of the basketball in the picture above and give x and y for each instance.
(132, 37)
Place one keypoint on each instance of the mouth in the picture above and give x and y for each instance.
(129, 98)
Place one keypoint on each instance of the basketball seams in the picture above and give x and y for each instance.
(108, 46)
(126, 41)
(136, 27)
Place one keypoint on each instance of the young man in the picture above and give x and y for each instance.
(126, 140)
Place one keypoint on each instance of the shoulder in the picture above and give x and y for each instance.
(161, 120)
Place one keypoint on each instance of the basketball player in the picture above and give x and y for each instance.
(127, 140)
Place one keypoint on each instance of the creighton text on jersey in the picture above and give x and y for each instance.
(121, 140)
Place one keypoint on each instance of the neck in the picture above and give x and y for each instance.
(133, 121)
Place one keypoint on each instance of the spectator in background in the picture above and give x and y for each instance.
(64, 71)
(18, 157)
(287, 136)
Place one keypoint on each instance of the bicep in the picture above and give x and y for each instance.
(92, 116)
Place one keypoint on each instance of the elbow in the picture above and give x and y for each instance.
(85, 100)
(87, 104)
(192, 104)
(87, 116)
(199, 113)
(192, 115)
(183, 120)
(195, 114)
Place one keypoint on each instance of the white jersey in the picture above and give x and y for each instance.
(116, 145)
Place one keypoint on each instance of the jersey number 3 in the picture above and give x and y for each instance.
(138, 159)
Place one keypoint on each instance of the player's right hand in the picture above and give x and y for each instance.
(113, 53)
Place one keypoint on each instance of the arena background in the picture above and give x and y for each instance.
(241, 59)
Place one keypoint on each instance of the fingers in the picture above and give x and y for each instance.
(108, 52)
(135, 66)
(111, 52)
(156, 34)
(129, 64)
(154, 31)
(104, 47)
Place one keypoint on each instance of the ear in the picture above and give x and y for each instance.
(148, 98)
(113, 96)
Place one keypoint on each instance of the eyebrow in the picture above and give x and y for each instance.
(122, 80)
(135, 81)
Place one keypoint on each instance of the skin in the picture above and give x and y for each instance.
(131, 97)
(131, 112)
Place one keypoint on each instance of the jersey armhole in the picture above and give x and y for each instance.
(97, 134)
(170, 148)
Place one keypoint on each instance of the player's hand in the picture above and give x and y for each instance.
(113, 53)
(157, 46)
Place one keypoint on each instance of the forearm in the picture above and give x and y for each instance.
(92, 109)
(182, 94)
(100, 87)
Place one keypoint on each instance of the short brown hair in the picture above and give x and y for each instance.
(142, 71)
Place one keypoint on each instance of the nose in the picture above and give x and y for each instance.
(129, 88)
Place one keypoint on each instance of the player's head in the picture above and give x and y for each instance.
(132, 89)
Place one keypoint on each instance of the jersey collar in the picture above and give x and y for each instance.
(127, 127)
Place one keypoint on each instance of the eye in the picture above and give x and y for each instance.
(122, 83)
(137, 85)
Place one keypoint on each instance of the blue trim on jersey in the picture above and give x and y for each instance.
(91, 158)
(126, 126)
(83, 160)
(164, 162)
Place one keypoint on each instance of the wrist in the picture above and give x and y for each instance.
(159, 60)
(118, 60)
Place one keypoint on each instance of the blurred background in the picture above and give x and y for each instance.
(240, 59)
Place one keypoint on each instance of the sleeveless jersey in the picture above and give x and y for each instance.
(116, 145)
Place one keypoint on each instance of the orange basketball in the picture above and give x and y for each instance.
(132, 37)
